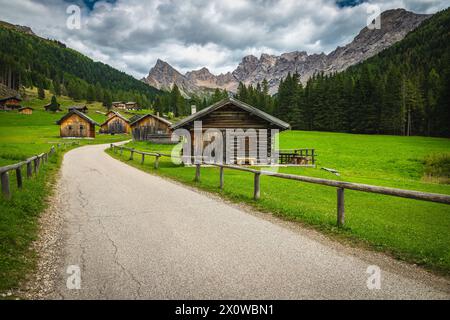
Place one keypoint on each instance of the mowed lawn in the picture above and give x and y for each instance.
(22, 136)
(412, 230)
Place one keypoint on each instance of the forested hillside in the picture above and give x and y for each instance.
(404, 90)
(28, 60)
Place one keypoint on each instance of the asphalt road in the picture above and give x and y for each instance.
(138, 236)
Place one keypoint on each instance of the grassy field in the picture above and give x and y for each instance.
(412, 230)
(22, 136)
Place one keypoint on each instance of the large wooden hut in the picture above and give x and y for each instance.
(115, 123)
(233, 114)
(151, 128)
(76, 124)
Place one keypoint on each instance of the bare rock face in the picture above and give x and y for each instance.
(395, 25)
(163, 76)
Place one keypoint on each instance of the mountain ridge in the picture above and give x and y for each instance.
(395, 25)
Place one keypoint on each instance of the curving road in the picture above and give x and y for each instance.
(136, 236)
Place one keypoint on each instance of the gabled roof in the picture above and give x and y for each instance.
(23, 108)
(116, 114)
(78, 113)
(151, 115)
(48, 105)
(261, 114)
(9, 98)
(135, 117)
(78, 108)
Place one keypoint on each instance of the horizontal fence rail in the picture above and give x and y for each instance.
(33, 165)
(339, 185)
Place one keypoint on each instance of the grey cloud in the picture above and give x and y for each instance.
(132, 34)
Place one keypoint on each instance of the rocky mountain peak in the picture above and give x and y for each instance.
(395, 24)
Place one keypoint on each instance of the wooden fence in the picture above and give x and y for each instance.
(32, 164)
(339, 185)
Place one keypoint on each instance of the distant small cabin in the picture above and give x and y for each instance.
(76, 124)
(115, 123)
(119, 105)
(10, 103)
(47, 107)
(233, 114)
(26, 110)
(131, 106)
(83, 109)
(151, 128)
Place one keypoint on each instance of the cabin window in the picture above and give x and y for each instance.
(70, 127)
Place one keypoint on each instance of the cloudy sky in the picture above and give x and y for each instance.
(132, 34)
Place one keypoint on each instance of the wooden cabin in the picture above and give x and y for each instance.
(10, 103)
(47, 107)
(233, 114)
(76, 124)
(119, 105)
(151, 128)
(115, 123)
(131, 106)
(26, 110)
(83, 109)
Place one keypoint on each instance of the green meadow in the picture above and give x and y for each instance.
(411, 230)
(22, 136)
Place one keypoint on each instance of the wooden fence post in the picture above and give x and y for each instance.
(197, 172)
(143, 158)
(340, 207)
(121, 151)
(36, 165)
(29, 169)
(131, 154)
(19, 177)
(5, 185)
(221, 177)
(256, 193)
(312, 157)
(156, 162)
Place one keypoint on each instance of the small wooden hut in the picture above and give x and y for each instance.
(83, 109)
(115, 123)
(151, 128)
(233, 114)
(26, 110)
(76, 124)
(47, 107)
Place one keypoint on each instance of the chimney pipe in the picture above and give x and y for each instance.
(193, 109)
(157, 114)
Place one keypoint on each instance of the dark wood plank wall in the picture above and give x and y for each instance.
(115, 124)
(231, 117)
(75, 126)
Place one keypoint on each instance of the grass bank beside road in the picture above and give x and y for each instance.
(411, 230)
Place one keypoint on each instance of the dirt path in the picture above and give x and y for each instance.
(134, 235)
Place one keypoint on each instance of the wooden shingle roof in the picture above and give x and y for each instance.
(116, 114)
(255, 111)
(78, 113)
(154, 116)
